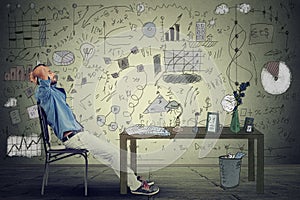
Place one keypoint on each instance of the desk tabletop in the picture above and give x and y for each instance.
(187, 133)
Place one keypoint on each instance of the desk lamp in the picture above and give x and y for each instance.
(174, 106)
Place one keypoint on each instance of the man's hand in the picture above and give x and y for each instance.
(33, 78)
(41, 72)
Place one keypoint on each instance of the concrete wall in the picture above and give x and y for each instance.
(121, 62)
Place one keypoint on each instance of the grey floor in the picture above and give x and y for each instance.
(175, 182)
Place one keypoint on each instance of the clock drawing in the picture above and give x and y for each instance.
(275, 77)
(228, 103)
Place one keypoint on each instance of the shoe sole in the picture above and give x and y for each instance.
(150, 183)
(146, 194)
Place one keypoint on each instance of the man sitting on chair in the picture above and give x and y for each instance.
(65, 126)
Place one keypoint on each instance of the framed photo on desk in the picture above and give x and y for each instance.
(212, 122)
(248, 125)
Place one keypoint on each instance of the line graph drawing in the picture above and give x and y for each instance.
(27, 146)
(174, 5)
(28, 27)
(111, 24)
(27, 33)
(181, 61)
(87, 20)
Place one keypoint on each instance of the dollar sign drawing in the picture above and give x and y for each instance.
(208, 104)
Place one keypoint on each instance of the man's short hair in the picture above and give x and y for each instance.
(39, 65)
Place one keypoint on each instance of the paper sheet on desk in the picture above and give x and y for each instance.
(147, 130)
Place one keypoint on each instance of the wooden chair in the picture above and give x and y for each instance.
(53, 155)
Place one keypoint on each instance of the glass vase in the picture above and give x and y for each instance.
(235, 122)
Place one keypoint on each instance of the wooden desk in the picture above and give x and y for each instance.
(188, 134)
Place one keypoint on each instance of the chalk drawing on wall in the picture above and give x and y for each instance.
(123, 63)
(157, 64)
(11, 102)
(25, 32)
(18, 73)
(212, 23)
(235, 44)
(140, 8)
(157, 106)
(181, 78)
(149, 29)
(228, 103)
(15, 117)
(222, 9)
(27, 146)
(87, 51)
(29, 92)
(63, 58)
(182, 61)
(102, 119)
(32, 112)
(261, 33)
(276, 77)
(200, 31)
(104, 21)
(173, 32)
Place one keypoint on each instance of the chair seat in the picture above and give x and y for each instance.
(68, 150)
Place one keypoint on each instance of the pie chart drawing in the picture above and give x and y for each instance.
(276, 77)
(63, 58)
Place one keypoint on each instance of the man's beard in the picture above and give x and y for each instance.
(54, 80)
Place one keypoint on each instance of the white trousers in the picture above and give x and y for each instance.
(103, 152)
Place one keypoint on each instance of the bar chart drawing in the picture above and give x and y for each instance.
(181, 61)
(18, 73)
(173, 34)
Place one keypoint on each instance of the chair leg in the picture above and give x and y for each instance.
(85, 174)
(45, 177)
(47, 174)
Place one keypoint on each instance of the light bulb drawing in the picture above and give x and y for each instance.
(87, 51)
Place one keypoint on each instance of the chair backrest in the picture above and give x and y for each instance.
(44, 128)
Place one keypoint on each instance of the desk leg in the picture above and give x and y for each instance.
(260, 165)
(123, 164)
(133, 162)
(251, 161)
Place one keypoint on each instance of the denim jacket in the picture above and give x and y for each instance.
(59, 115)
